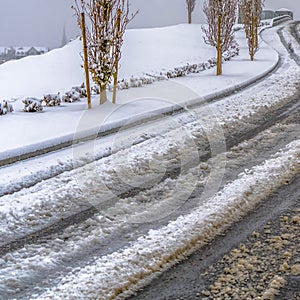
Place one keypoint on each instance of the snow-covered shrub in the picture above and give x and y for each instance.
(188, 69)
(52, 99)
(3, 111)
(95, 90)
(148, 79)
(5, 107)
(199, 68)
(81, 90)
(75, 94)
(32, 105)
(238, 27)
(196, 68)
(135, 82)
(71, 96)
(159, 77)
(123, 84)
(176, 72)
(233, 51)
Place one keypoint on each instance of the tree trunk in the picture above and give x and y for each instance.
(103, 95)
(256, 34)
(114, 95)
(117, 58)
(86, 63)
(252, 39)
(219, 48)
(219, 62)
(189, 16)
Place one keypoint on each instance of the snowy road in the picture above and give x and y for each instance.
(91, 221)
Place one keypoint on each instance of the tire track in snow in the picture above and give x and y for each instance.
(257, 108)
(92, 236)
(67, 220)
(29, 179)
(119, 274)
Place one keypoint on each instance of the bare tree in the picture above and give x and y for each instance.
(221, 16)
(190, 8)
(120, 23)
(108, 20)
(99, 40)
(251, 12)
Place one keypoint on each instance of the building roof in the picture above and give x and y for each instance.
(23, 49)
(283, 9)
(268, 9)
(27, 48)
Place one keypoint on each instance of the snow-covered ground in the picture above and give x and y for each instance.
(144, 51)
(156, 50)
(110, 275)
(37, 192)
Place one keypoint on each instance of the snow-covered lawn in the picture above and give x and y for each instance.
(145, 51)
(154, 50)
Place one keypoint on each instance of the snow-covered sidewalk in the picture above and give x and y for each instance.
(55, 126)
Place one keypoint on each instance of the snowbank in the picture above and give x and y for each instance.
(145, 51)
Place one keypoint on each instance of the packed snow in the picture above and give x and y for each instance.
(112, 274)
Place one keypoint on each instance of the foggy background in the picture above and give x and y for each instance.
(41, 22)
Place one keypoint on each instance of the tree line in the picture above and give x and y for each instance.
(107, 21)
(221, 15)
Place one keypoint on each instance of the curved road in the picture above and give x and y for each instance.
(258, 257)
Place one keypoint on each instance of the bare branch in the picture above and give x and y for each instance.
(108, 21)
(251, 13)
(227, 10)
(190, 8)
(220, 15)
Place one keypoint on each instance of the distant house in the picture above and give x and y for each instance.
(284, 12)
(267, 14)
(9, 53)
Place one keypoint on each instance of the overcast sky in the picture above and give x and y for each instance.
(41, 22)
